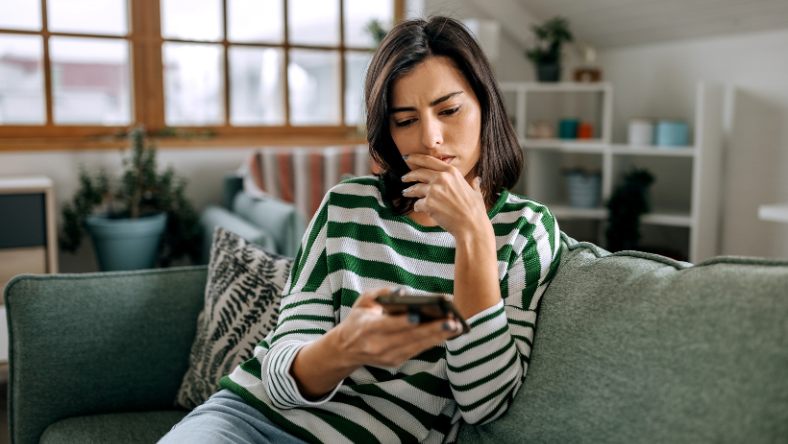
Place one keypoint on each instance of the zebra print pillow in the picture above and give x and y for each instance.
(242, 300)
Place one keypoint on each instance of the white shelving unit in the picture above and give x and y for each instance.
(686, 192)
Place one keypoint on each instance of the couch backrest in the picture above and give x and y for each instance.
(98, 343)
(635, 347)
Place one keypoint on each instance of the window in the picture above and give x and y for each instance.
(78, 68)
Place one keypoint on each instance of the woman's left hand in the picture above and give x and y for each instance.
(445, 195)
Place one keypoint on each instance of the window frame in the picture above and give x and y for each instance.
(146, 74)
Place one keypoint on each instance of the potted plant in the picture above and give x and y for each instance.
(628, 202)
(377, 30)
(141, 220)
(546, 55)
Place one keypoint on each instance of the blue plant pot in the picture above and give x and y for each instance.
(126, 244)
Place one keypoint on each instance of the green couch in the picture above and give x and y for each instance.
(630, 347)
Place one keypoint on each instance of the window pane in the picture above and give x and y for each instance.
(90, 80)
(191, 19)
(88, 16)
(358, 14)
(193, 84)
(356, 65)
(313, 22)
(21, 80)
(256, 86)
(314, 87)
(255, 21)
(20, 14)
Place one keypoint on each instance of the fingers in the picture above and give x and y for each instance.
(426, 161)
(410, 343)
(421, 175)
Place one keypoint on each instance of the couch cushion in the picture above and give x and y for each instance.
(241, 307)
(114, 428)
(634, 347)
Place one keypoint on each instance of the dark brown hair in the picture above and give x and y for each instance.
(405, 47)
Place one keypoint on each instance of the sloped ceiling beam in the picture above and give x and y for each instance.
(515, 20)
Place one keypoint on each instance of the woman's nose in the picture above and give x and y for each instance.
(431, 133)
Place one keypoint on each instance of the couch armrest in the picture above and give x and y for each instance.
(232, 184)
(214, 216)
(275, 216)
(82, 344)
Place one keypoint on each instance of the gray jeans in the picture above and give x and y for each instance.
(226, 418)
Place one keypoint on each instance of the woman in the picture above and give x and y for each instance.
(438, 220)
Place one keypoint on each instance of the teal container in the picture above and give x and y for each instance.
(672, 133)
(567, 128)
(126, 244)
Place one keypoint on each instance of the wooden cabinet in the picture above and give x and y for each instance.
(28, 237)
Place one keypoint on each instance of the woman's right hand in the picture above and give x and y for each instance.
(367, 336)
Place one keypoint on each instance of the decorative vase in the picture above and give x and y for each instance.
(126, 244)
(548, 72)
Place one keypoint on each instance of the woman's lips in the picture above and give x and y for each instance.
(446, 159)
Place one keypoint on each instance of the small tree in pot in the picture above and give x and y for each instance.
(546, 55)
(144, 220)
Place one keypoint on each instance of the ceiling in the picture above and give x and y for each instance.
(615, 23)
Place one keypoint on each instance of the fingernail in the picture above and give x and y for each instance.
(402, 178)
(479, 180)
(447, 326)
(405, 157)
(414, 318)
(397, 291)
(403, 191)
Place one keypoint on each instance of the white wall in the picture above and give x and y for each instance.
(202, 167)
(511, 65)
(659, 80)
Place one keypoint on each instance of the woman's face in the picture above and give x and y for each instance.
(434, 111)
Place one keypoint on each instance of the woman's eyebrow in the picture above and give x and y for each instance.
(433, 103)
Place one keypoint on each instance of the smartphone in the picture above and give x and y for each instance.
(428, 307)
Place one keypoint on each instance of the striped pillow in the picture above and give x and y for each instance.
(242, 299)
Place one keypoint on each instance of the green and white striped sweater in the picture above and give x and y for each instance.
(355, 243)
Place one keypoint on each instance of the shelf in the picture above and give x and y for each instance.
(554, 86)
(589, 146)
(673, 218)
(567, 212)
(773, 213)
(647, 150)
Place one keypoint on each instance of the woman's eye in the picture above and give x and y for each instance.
(450, 111)
(405, 122)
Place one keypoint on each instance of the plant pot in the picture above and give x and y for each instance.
(548, 72)
(584, 190)
(126, 244)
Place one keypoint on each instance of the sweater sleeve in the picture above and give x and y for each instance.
(306, 314)
(487, 366)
